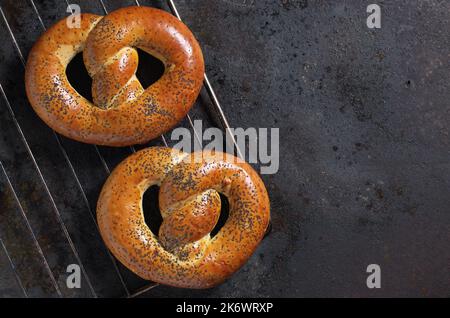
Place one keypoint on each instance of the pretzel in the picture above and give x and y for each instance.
(123, 113)
(183, 253)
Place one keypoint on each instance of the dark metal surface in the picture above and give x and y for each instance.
(364, 146)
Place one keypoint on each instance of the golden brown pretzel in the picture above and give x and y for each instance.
(123, 112)
(183, 254)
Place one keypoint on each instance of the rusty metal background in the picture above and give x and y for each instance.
(364, 152)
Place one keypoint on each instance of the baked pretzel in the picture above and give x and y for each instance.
(123, 113)
(183, 254)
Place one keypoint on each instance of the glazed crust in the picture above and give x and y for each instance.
(123, 113)
(184, 254)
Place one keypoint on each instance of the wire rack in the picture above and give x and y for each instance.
(27, 243)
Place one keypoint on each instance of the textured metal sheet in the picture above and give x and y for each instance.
(363, 115)
(364, 172)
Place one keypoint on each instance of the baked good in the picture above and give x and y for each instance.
(183, 253)
(123, 112)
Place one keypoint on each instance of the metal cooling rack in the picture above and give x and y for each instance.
(9, 187)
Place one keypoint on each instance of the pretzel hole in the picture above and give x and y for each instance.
(150, 205)
(78, 77)
(224, 213)
(150, 69)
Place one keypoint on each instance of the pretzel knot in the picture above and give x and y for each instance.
(183, 254)
(122, 112)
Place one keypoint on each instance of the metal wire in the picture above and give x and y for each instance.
(143, 290)
(102, 159)
(212, 94)
(58, 214)
(33, 236)
(47, 190)
(217, 108)
(13, 267)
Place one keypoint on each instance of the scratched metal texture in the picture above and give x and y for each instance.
(364, 151)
